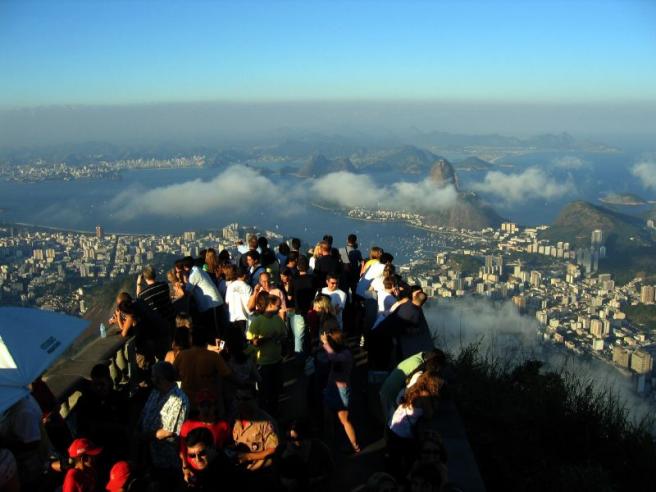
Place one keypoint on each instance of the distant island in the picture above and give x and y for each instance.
(628, 199)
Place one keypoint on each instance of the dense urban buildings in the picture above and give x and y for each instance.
(583, 312)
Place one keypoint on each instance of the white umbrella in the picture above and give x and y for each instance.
(31, 340)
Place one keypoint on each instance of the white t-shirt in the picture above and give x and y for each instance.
(237, 294)
(385, 303)
(338, 301)
(205, 293)
(404, 419)
(372, 273)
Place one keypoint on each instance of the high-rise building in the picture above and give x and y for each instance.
(641, 362)
(595, 261)
(499, 265)
(597, 237)
(489, 264)
(584, 258)
(231, 232)
(621, 356)
(596, 328)
(536, 278)
(100, 232)
(573, 273)
(517, 271)
(647, 293)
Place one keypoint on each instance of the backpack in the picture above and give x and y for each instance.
(255, 275)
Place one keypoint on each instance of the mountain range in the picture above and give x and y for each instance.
(406, 159)
(403, 151)
(319, 165)
(549, 141)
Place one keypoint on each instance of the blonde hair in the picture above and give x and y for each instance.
(317, 252)
(322, 304)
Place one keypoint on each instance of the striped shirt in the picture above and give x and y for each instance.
(158, 298)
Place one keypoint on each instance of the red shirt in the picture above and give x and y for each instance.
(79, 481)
(220, 431)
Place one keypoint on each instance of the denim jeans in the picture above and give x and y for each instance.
(297, 324)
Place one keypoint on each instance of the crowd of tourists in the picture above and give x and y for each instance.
(240, 376)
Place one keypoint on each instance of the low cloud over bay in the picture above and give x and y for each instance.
(241, 187)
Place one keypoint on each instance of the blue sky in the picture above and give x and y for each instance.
(122, 52)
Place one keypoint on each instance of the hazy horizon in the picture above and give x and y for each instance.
(233, 122)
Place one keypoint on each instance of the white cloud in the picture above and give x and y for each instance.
(236, 188)
(569, 162)
(519, 187)
(646, 172)
(357, 190)
(347, 190)
(240, 187)
(499, 329)
(423, 196)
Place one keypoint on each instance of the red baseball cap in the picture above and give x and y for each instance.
(118, 476)
(83, 446)
(206, 395)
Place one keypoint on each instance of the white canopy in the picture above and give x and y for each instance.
(31, 340)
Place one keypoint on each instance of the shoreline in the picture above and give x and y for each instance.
(76, 231)
(379, 221)
(621, 204)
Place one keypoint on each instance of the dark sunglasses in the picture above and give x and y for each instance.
(199, 454)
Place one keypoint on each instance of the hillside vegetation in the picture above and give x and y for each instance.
(535, 430)
(577, 220)
(630, 246)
